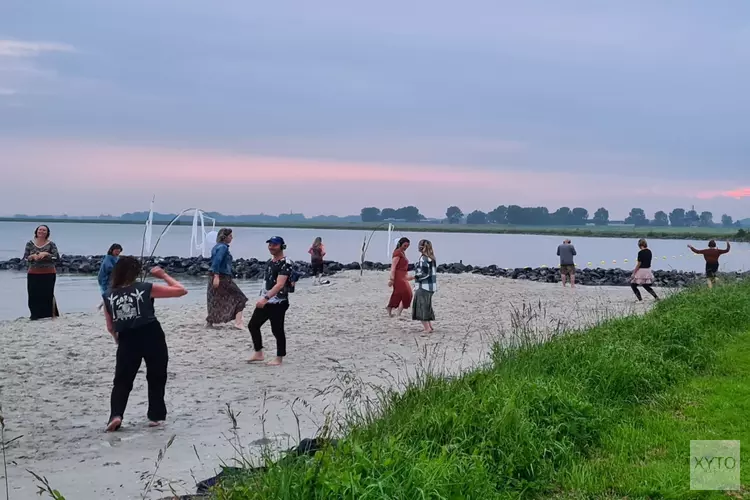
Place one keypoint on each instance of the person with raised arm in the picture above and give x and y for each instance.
(41, 256)
(131, 320)
(711, 256)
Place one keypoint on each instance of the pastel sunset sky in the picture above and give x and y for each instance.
(324, 107)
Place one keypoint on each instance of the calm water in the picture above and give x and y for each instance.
(77, 293)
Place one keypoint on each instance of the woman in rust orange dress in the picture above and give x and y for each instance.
(399, 279)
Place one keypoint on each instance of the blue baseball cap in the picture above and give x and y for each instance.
(276, 240)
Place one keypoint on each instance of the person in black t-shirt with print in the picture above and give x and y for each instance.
(274, 302)
(642, 274)
(131, 320)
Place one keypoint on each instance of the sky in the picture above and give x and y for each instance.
(242, 106)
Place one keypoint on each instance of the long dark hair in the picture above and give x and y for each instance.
(125, 272)
(115, 246)
(402, 241)
(36, 231)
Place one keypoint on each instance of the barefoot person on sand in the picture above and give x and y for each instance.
(317, 251)
(105, 269)
(566, 252)
(399, 279)
(642, 274)
(711, 256)
(224, 299)
(425, 276)
(132, 322)
(41, 255)
(273, 304)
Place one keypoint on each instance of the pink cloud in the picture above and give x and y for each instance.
(738, 193)
(91, 178)
(85, 162)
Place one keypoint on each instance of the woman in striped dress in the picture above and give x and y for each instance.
(41, 256)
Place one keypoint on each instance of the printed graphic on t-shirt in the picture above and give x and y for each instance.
(126, 306)
(274, 269)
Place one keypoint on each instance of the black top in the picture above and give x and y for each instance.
(131, 306)
(644, 257)
(274, 269)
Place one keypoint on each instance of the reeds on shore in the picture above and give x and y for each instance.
(521, 426)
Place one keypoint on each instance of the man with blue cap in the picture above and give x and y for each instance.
(273, 303)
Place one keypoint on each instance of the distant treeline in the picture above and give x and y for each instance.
(160, 217)
(563, 216)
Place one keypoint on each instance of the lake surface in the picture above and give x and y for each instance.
(80, 293)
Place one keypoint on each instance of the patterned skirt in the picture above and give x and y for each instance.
(643, 277)
(422, 309)
(225, 301)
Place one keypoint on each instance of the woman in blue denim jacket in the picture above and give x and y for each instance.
(105, 270)
(224, 299)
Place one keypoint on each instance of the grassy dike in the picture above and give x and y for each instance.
(604, 413)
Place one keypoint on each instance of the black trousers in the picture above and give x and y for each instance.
(149, 344)
(41, 291)
(276, 314)
(645, 287)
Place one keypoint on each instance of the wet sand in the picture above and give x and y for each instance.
(56, 376)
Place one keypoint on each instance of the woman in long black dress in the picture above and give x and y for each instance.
(41, 256)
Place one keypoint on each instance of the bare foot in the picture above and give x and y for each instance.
(155, 423)
(390, 312)
(239, 326)
(114, 424)
(258, 356)
(275, 361)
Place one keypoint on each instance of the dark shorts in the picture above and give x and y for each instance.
(711, 269)
(316, 267)
(567, 268)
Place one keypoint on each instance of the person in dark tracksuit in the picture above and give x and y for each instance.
(131, 320)
(274, 302)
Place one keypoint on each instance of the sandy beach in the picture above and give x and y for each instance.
(56, 376)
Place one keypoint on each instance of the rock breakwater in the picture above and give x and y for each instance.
(253, 269)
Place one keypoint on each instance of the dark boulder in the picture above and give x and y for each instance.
(253, 269)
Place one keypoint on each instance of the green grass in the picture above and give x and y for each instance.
(645, 455)
(690, 233)
(604, 413)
